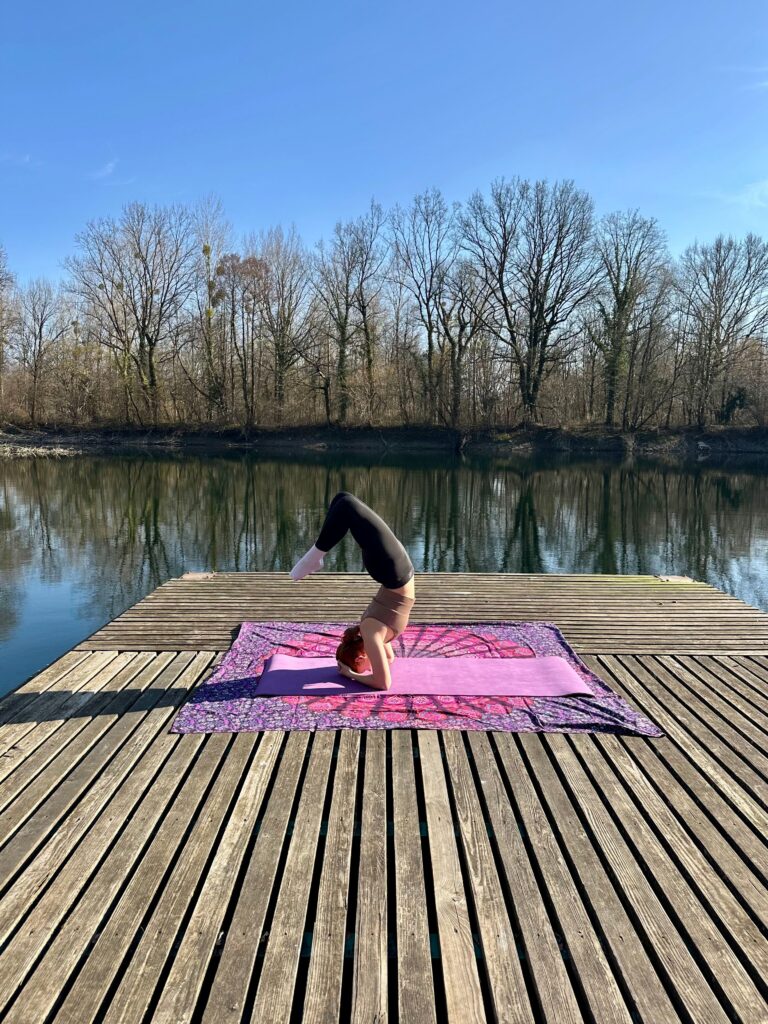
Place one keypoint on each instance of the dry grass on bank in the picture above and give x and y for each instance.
(17, 451)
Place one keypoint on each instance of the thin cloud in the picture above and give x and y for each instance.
(753, 196)
(106, 171)
(749, 71)
(19, 160)
(746, 69)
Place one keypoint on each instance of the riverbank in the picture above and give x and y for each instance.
(685, 443)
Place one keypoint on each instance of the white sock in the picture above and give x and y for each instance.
(311, 562)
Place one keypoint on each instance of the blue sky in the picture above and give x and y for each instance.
(301, 112)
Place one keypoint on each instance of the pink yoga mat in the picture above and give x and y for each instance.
(481, 677)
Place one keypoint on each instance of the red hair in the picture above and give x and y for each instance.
(351, 650)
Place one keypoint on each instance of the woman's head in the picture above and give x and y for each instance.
(351, 651)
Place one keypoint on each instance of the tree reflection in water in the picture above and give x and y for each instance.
(115, 528)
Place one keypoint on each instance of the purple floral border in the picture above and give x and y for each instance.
(225, 702)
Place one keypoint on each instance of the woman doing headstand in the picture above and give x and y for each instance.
(387, 561)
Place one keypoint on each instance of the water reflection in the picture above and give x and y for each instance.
(82, 539)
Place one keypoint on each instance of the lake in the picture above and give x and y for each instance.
(83, 538)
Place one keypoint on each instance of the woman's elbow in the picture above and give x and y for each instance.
(383, 682)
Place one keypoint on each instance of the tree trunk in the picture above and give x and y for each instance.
(611, 378)
(152, 382)
(341, 373)
(279, 384)
(456, 369)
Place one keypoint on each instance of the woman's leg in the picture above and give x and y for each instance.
(384, 557)
(338, 519)
(335, 526)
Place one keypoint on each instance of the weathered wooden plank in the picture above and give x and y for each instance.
(322, 1000)
(699, 742)
(274, 995)
(668, 944)
(719, 679)
(691, 910)
(636, 980)
(145, 804)
(686, 831)
(613, 614)
(105, 960)
(755, 672)
(73, 938)
(415, 982)
(463, 994)
(29, 758)
(183, 984)
(41, 806)
(746, 678)
(553, 986)
(36, 712)
(679, 772)
(58, 675)
(497, 937)
(227, 999)
(139, 978)
(721, 716)
(140, 755)
(369, 986)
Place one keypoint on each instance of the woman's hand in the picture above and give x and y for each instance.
(350, 673)
(358, 677)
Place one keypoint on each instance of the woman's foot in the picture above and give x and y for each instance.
(309, 563)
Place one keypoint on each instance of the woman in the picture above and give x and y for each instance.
(387, 561)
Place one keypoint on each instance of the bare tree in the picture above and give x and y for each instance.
(462, 300)
(212, 235)
(136, 275)
(240, 286)
(632, 255)
(490, 236)
(424, 249)
(652, 358)
(336, 280)
(510, 308)
(82, 385)
(532, 246)
(369, 255)
(314, 348)
(6, 287)
(283, 300)
(402, 351)
(41, 323)
(723, 292)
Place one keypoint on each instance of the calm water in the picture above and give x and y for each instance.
(81, 539)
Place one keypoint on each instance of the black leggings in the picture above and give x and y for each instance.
(384, 557)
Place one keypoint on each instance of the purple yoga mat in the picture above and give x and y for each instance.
(482, 677)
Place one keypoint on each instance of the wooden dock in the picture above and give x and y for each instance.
(408, 876)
